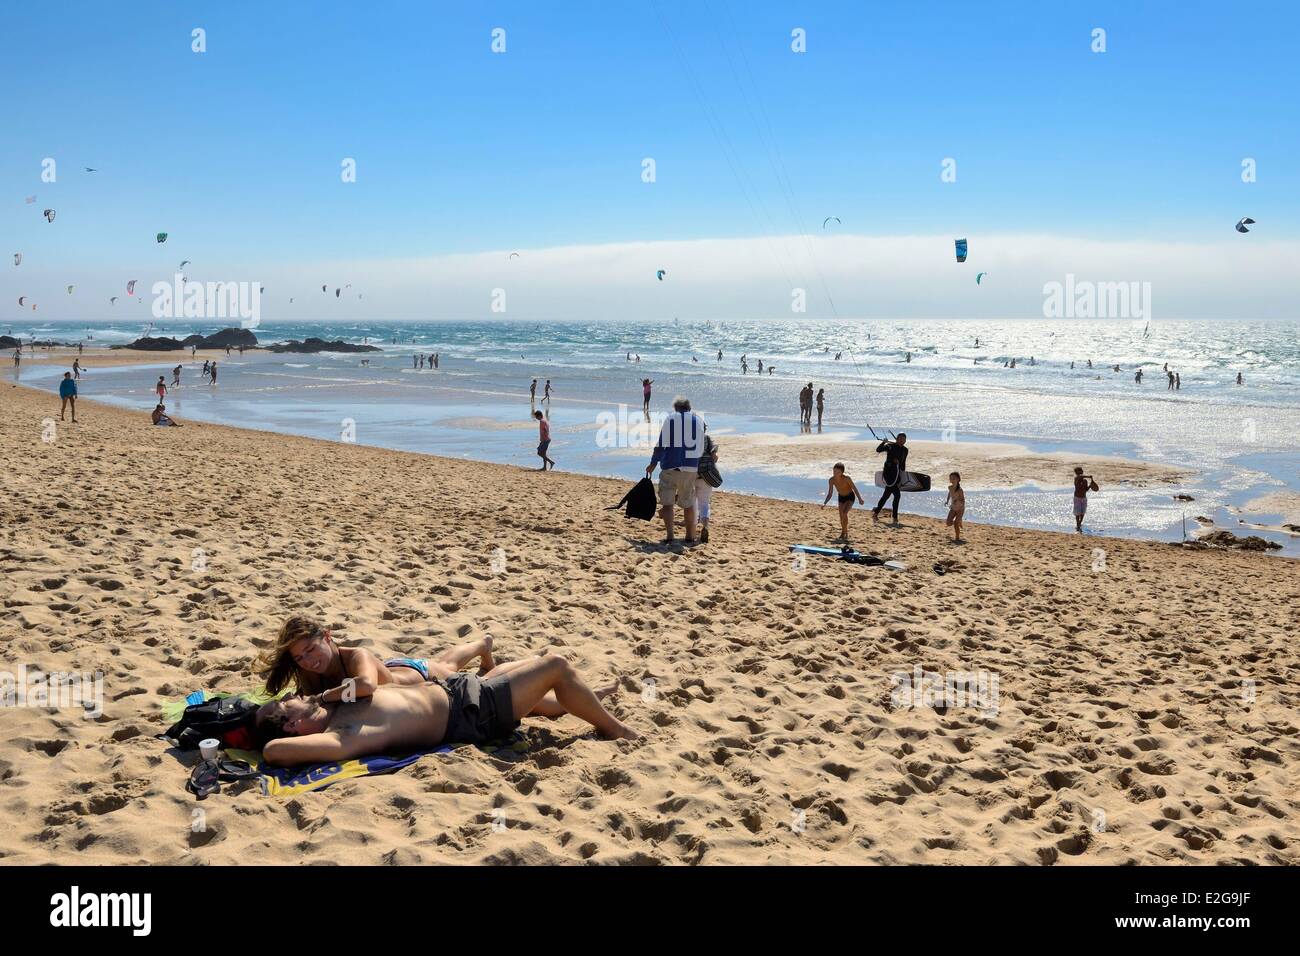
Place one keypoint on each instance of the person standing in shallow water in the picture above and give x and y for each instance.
(1082, 485)
(532, 393)
(821, 405)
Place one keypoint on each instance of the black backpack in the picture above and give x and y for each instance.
(229, 719)
(641, 501)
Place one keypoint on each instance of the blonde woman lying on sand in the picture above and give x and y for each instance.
(322, 672)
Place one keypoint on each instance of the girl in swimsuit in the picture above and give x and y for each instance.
(843, 485)
(306, 656)
(956, 502)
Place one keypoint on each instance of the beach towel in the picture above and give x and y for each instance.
(641, 501)
(290, 781)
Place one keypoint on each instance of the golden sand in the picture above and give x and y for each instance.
(1147, 707)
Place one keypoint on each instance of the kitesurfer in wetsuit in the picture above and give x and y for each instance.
(895, 468)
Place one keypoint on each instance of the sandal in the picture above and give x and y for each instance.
(205, 778)
(234, 770)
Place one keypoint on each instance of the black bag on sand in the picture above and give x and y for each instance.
(641, 501)
(228, 719)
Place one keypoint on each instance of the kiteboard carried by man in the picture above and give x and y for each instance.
(894, 476)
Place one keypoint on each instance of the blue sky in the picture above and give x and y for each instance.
(236, 152)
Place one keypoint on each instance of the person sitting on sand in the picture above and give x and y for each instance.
(956, 502)
(160, 418)
(848, 492)
(462, 708)
(1082, 485)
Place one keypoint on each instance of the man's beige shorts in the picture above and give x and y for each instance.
(677, 487)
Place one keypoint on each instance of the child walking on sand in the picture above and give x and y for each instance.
(842, 484)
(956, 502)
(543, 439)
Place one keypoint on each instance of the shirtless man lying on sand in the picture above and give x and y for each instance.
(404, 717)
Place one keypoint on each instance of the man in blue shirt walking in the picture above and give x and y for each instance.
(677, 453)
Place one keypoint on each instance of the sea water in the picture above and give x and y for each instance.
(1239, 441)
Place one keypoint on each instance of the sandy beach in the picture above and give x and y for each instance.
(1146, 711)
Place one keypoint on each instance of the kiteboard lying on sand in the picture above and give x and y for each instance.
(912, 481)
(848, 554)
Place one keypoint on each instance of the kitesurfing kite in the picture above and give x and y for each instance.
(961, 250)
(130, 287)
(323, 289)
(162, 237)
(513, 255)
(829, 218)
(20, 300)
(49, 215)
(978, 276)
(337, 293)
(1243, 223)
(89, 170)
(660, 274)
(184, 263)
(69, 290)
(112, 300)
(18, 258)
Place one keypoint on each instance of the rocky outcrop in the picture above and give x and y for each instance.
(226, 338)
(1226, 539)
(148, 344)
(320, 345)
(231, 338)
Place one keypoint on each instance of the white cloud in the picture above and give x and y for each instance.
(753, 278)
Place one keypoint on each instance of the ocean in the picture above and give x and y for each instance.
(1239, 440)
